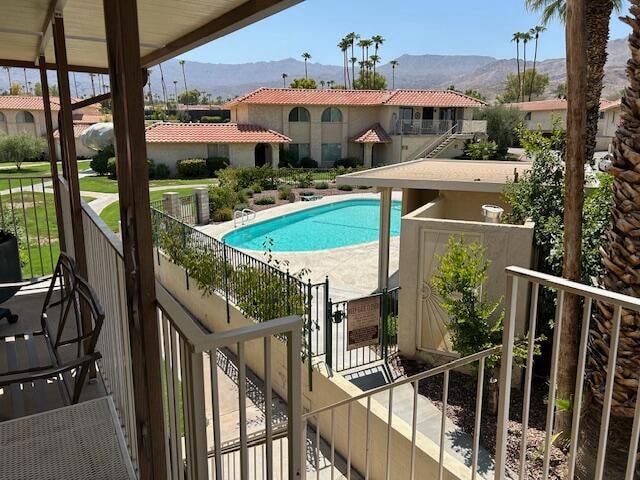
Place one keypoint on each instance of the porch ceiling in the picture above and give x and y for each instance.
(167, 28)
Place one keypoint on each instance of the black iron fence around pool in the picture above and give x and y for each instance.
(27, 210)
(184, 210)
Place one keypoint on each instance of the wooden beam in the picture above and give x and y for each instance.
(70, 162)
(90, 101)
(45, 32)
(48, 121)
(4, 62)
(244, 14)
(126, 78)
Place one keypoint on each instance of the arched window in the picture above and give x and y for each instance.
(332, 115)
(24, 117)
(299, 114)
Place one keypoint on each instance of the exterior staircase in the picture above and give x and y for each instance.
(439, 147)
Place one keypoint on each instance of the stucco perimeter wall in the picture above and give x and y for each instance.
(328, 388)
(424, 235)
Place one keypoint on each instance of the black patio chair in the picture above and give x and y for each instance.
(71, 350)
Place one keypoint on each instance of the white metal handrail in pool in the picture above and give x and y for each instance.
(246, 214)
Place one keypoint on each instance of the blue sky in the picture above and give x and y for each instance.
(478, 27)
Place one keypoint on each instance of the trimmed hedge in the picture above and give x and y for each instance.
(307, 162)
(192, 168)
(216, 163)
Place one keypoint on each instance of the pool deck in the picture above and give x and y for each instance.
(352, 270)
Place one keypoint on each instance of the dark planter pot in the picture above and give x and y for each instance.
(10, 269)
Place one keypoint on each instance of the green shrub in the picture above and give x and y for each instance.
(99, 162)
(362, 187)
(349, 162)
(304, 179)
(307, 162)
(214, 164)
(228, 178)
(248, 192)
(256, 188)
(321, 185)
(222, 215)
(267, 200)
(306, 193)
(162, 171)
(192, 168)
(284, 191)
(345, 188)
(210, 119)
(111, 167)
(480, 149)
(223, 197)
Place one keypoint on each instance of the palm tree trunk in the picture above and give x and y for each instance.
(353, 65)
(524, 70)
(518, 63)
(164, 86)
(393, 77)
(9, 75)
(618, 256)
(533, 75)
(305, 69)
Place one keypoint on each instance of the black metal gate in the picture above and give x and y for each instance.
(337, 354)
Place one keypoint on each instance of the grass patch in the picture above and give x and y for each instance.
(111, 213)
(8, 170)
(107, 185)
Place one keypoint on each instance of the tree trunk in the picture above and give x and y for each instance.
(620, 260)
(576, 45)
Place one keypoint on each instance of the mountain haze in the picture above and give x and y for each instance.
(483, 73)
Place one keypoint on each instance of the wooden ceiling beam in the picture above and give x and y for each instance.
(4, 62)
(45, 31)
(244, 14)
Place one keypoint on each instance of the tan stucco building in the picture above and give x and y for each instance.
(377, 127)
(541, 114)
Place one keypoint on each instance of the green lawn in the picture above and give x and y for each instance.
(30, 170)
(107, 185)
(111, 214)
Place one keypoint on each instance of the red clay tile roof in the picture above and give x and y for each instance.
(373, 134)
(299, 96)
(610, 105)
(551, 104)
(78, 128)
(212, 133)
(24, 102)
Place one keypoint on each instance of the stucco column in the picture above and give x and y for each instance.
(368, 155)
(275, 155)
(383, 244)
(171, 203)
(202, 205)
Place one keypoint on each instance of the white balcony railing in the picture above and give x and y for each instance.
(438, 127)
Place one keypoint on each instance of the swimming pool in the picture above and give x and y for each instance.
(337, 224)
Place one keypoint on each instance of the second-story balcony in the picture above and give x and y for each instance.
(438, 127)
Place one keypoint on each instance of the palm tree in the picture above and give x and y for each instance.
(394, 64)
(618, 257)
(516, 38)
(75, 84)
(362, 43)
(175, 92)
(343, 45)
(163, 85)
(8, 69)
(352, 37)
(26, 87)
(306, 56)
(525, 37)
(374, 59)
(149, 84)
(322, 82)
(184, 79)
(377, 41)
(284, 80)
(535, 32)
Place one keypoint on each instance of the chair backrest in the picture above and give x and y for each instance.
(73, 319)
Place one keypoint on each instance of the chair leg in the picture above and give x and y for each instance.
(77, 389)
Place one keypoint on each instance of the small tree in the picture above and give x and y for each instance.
(189, 97)
(502, 123)
(307, 83)
(20, 148)
(370, 81)
(533, 84)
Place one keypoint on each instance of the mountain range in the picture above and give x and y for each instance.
(483, 73)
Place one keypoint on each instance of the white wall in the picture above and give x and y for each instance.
(169, 153)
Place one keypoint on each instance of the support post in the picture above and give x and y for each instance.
(67, 139)
(126, 79)
(385, 239)
(171, 204)
(201, 195)
(51, 144)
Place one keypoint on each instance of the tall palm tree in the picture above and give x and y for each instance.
(284, 80)
(620, 275)
(362, 43)
(26, 86)
(149, 85)
(525, 37)
(163, 85)
(517, 36)
(352, 37)
(535, 33)
(598, 14)
(75, 84)
(374, 60)
(8, 69)
(184, 79)
(394, 64)
(343, 45)
(93, 86)
(322, 82)
(306, 56)
(377, 40)
(175, 92)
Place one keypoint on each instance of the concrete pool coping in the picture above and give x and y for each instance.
(352, 270)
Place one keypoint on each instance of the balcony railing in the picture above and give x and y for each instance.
(439, 127)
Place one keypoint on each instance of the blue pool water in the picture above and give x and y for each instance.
(334, 225)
